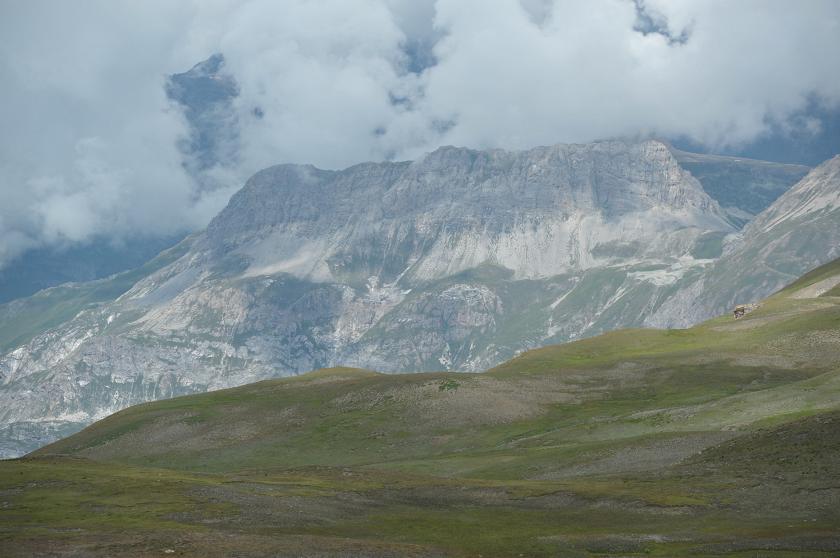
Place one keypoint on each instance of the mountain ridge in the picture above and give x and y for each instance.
(422, 187)
(459, 260)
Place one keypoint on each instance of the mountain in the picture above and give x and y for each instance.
(456, 261)
(800, 230)
(205, 93)
(743, 187)
(50, 310)
(717, 440)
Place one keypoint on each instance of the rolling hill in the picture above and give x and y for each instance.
(717, 440)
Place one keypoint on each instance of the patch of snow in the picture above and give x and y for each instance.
(658, 277)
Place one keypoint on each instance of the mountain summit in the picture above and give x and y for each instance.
(536, 213)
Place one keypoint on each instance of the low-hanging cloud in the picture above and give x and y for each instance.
(92, 146)
(87, 146)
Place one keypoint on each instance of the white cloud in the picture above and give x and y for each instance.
(88, 144)
(585, 73)
(320, 72)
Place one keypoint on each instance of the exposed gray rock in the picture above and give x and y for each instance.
(743, 187)
(458, 260)
(798, 232)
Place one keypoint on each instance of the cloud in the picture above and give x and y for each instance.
(715, 71)
(87, 146)
(90, 145)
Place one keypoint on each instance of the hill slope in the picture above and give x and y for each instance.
(635, 442)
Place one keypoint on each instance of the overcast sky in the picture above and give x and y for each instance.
(89, 141)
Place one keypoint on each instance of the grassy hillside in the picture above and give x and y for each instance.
(717, 440)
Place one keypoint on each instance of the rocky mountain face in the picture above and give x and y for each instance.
(798, 232)
(457, 261)
(537, 214)
(743, 187)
